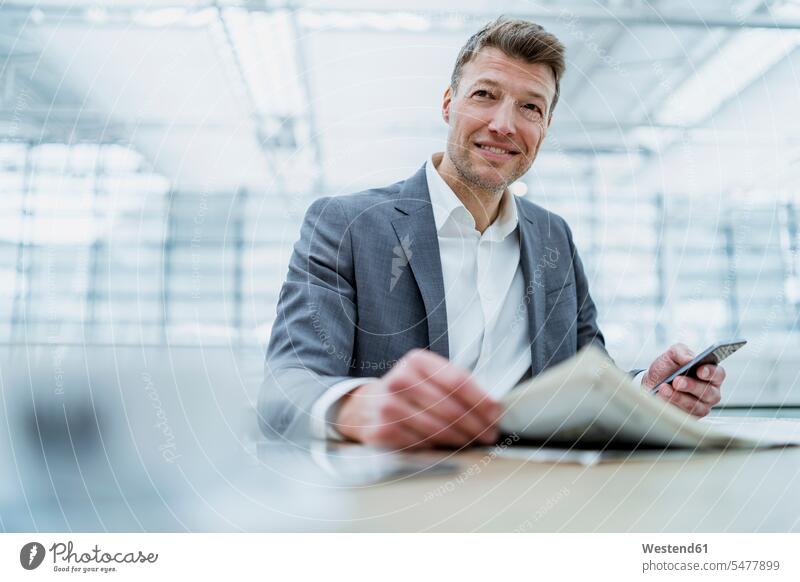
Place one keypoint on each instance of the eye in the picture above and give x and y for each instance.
(483, 93)
(532, 112)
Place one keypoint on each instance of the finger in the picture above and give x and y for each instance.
(458, 382)
(712, 374)
(415, 388)
(684, 401)
(704, 391)
(434, 399)
(430, 427)
(394, 435)
(680, 354)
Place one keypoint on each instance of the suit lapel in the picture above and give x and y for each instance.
(416, 234)
(531, 253)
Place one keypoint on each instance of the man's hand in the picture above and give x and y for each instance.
(423, 401)
(694, 396)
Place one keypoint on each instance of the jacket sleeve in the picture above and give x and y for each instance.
(311, 346)
(587, 329)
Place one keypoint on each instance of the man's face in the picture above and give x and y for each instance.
(498, 118)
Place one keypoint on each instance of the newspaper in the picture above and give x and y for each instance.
(588, 400)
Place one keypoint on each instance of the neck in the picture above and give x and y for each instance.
(483, 205)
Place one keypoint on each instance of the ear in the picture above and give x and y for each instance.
(447, 99)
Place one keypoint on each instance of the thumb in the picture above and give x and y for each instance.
(665, 364)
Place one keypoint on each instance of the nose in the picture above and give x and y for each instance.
(502, 120)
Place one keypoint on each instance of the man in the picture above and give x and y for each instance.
(409, 310)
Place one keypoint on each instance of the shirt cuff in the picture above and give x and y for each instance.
(324, 410)
(639, 378)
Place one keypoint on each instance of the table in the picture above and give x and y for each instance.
(500, 491)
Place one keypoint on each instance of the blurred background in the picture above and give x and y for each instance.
(157, 157)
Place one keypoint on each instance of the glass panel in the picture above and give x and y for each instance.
(99, 249)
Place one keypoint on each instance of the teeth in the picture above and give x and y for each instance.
(494, 150)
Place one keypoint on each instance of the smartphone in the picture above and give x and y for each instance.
(713, 354)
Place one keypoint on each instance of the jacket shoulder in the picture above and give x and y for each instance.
(348, 207)
(545, 217)
(368, 197)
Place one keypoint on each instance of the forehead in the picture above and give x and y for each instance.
(511, 73)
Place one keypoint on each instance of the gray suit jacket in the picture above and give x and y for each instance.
(365, 286)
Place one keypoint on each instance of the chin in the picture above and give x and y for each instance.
(492, 176)
(481, 174)
(491, 183)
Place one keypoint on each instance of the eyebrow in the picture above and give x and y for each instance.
(493, 83)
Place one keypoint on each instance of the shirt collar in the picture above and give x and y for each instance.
(448, 208)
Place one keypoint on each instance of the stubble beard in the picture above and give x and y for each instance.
(460, 158)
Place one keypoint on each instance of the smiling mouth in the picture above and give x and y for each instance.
(498, 152)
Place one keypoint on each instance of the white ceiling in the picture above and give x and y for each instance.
(168, 84)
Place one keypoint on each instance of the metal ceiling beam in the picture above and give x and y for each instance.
(560, 126)
(256, 118)
(582, 73)
(65, 120)
(439, 20)
(66, 114)
(34, 134)
(704, 51)
(757, 8)
(305, 83)
(86, 122)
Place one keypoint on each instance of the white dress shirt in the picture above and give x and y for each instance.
(487, 321)
(484, 289)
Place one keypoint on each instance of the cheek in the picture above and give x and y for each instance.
(468, 128)
(468, 121)
(535, 139)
